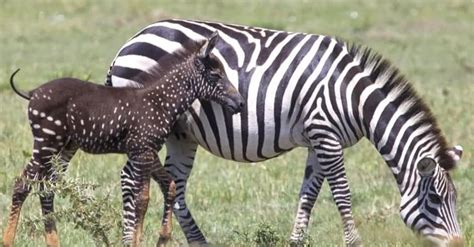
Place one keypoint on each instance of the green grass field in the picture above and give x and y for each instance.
(432, 42)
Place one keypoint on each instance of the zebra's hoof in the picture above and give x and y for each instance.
(356, 243)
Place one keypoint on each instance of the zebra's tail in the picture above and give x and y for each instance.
(22, 94)
(108, 79)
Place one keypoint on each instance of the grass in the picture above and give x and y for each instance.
(240, 204)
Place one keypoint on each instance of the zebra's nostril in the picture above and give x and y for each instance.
(241, 104)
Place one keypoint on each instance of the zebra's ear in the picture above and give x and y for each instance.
(208, 45)
(426, 167)
(455, 153)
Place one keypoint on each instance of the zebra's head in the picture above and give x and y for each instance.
(430, 208)
(215, 84)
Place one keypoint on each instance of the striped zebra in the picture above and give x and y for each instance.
(310, 91)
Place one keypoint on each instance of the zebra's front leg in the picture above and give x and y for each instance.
(331, 159)
(341, 193)
(313, 179)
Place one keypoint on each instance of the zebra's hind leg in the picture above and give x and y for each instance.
(313, 179)
(331, 160)
(181, 151)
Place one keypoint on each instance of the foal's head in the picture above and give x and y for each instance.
(195, 72)
(212, 83)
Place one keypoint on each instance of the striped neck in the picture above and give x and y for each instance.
(396, 120)
(403, 140)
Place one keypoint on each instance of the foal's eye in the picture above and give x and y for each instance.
(214, 77)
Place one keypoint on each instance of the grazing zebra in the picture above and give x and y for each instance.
(69, 114)
(309, 91)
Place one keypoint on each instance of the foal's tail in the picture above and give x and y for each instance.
(22, 94)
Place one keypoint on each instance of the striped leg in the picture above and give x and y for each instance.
(168, 187)
(135, 199)
(313, 179)
(130, 217)
(330, 157)
(128, 199)
(37, 169)
(181, 151)
(339, 186)
(20, 192)
(142, 164)
(47, 199)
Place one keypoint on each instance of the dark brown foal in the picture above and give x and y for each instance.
(69, 114)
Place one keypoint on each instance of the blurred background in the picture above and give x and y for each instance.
(432, 42)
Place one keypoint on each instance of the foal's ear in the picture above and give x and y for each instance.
(208, 45)
(426, 166)
(455, 153)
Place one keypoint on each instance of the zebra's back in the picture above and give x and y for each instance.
(277, 72)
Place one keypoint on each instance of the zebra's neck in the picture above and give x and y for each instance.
(397, 121)
(403, 140)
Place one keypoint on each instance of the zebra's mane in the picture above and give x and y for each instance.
(168, 62)
(381, 70)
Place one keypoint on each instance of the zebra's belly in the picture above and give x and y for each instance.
(238, 138)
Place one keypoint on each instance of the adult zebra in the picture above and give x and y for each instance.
(304, 91)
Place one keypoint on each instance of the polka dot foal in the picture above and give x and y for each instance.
(69, 114)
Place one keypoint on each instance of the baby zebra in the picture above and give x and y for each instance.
(69, 114)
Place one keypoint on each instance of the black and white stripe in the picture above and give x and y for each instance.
(302, 90)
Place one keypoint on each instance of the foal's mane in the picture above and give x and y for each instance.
(159, 71)
(381, 67)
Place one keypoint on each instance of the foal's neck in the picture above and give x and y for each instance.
(173, 93)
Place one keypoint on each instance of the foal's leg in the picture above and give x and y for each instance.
(35, 170)
(20, 191)
(129, 200)
(47, 198)
(142, 164)
(168, 187)
(134, 200)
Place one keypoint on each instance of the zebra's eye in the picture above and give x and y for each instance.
(435, 198)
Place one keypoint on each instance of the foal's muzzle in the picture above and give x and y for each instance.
(234, 103)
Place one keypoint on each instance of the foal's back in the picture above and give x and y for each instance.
(92, 116)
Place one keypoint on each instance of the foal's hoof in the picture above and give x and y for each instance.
(162, 241)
